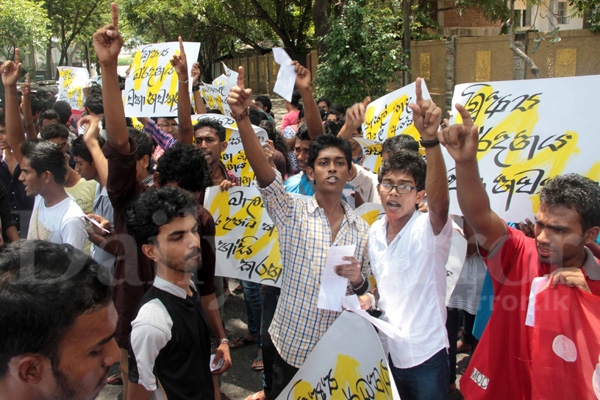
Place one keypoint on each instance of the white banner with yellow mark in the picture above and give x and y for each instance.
(152, 86)
(389, 115)
(529, 132)
(371, 154)
(347, 363)
(216, 96)
(70, 85)
(246, 240)
(234, 156)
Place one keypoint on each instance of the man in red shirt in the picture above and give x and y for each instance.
(568, 219)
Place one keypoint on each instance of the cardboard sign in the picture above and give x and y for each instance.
(70, 85)
(216, 97)
(389, 115)
(347, 363)
(246, 240)
(528, 133)
(151, 89)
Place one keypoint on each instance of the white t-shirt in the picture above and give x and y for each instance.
(62, 223)
(411, 280)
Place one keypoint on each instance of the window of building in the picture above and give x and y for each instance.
(562, 17)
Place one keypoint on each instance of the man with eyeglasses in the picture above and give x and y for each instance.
(408, 252)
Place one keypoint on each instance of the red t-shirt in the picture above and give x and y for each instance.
(501, 366)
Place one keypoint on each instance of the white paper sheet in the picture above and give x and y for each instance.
(333, 286)
(351, 303)
(286, 77)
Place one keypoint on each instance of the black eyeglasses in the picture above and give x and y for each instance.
(400, 189)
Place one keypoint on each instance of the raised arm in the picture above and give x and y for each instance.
(311, 111)
(90, 137)
(198, 103)
(355, 116)
(107, 44)
(239, 100)
(184, 107)
(461, 141)
(26, 108)
(11, 71)
(427, 117)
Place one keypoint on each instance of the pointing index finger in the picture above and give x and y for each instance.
(181, 49)
(17, 57)
(466, 117)
(240, 79)
(419, 92)
(115, 14)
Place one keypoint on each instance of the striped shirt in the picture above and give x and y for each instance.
(304, 241)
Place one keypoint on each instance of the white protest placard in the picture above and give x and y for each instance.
(234, 156)
(228, 77)
(371, 151)
(246, 240)
(152, 87)
(389, 115)
(286, 77)
(70, 85)
(370, 212)
(456, 261)
(216, 97)
(347, 363)
(529, 131)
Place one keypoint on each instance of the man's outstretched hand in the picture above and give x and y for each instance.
(108, 41)
(461, 140)
(11, 71)
(239, 98)
(179, 62)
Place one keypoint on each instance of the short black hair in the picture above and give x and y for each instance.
(49, 114)
(94, 103)
(254, 116)
(39, 105)
(326, 100)
(212, 123)
(145, 145)
(80, 149)
(265, 102)
(296, 97)
(331, 128)
(576, 192)
(302, 132)
(399, 142)
(64, 111)
(2, 119)
(338, 108)
(406, 161)
(44, 287)
(54, 131)
(45, 156)
(157, 207)
(185, 165)
(325, 141)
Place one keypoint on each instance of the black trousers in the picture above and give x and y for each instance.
(282, 375)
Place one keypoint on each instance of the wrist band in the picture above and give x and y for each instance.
(195, 88)
(429, 143)
(224, 341)
(359, 286)
(184, 82)
(239, 117)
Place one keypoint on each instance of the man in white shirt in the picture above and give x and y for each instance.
(56, 217)
(408, 252)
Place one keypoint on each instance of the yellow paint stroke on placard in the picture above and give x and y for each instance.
(344, 382)
(68, 76)
(374, 123)
(370, 216)
(251, 210)
(155, 82)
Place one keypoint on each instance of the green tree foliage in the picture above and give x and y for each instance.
(590, 11)
(22, 23)
(364, 50)
(159, 20)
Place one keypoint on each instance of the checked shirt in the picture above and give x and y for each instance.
(304, 240)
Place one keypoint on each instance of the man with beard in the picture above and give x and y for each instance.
(58, 323)
(170, 345)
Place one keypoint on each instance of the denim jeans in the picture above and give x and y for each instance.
(426, 381)
(254, 304)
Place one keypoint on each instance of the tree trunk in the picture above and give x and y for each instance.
(321, 13)
(87, 58)
(49, 66)
(406, 41)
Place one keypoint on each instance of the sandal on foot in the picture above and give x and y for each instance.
(257, 364)
(115, 379)
(241, 342)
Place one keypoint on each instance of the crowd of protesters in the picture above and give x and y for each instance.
(109, 253)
